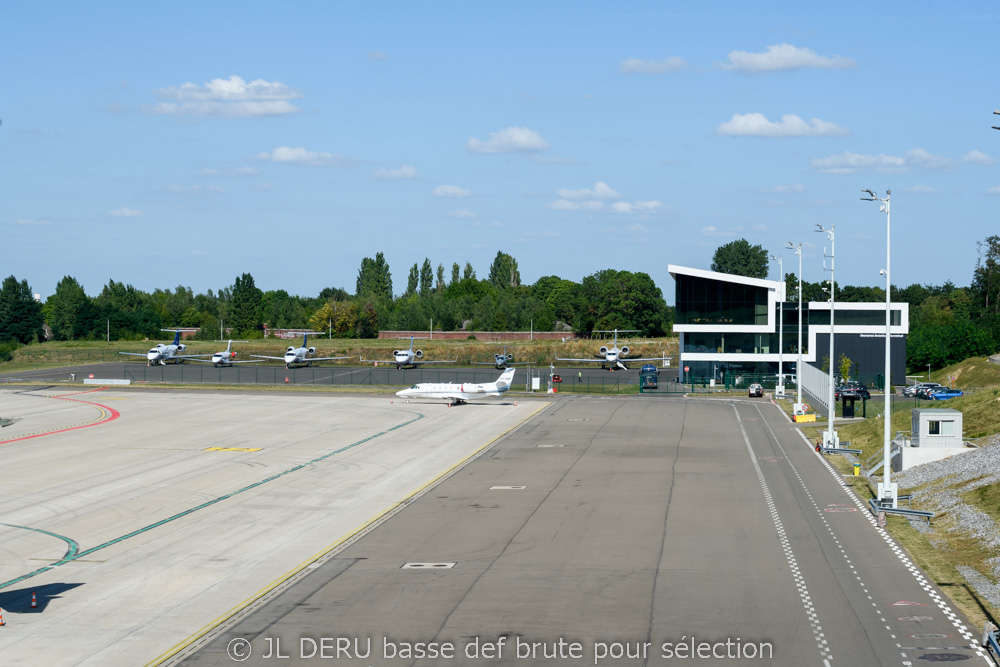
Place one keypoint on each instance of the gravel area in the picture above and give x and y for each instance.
(943, 484)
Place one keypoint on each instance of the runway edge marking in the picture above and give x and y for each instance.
(330, 550)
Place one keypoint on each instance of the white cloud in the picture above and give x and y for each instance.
(195, 190)
(566, 205)
(126, 212)
(638, 207)
(976, 157)
(399, 173)
(783, 57)
(32, 222)
(671, 64)
(787, 189)
(510, 140)
(226, 98)
(462, 214)
(849, 163)
(921, 190)
(240, 171)
(790, 125)
(301, 156)
(995, 190)
(716, 232)
(451, 192)
(377, 56)
(600, 191)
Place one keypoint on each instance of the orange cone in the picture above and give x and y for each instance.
(1, 618)
(34, 600)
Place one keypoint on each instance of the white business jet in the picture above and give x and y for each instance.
(299, 356)
(227, 358)
(502, 360)
(161, 354)
(406, 358)
(460, 393)
(613, 356)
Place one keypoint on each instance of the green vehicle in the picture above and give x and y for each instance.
(648, 377)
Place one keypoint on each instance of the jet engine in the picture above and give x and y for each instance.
(418, 354)
(624, 349)
(290, 349)
(181, 347)
(312, 350)
(604, 350)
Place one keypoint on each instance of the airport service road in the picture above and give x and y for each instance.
(618, 526)
(139, 517)
(325, 375)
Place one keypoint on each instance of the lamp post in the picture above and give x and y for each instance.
(779, 391)
(886, 489)
(797, 408)
(830, 437)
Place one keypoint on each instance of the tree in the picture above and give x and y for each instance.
(20, 315)
(503, 271)
(440, 278)
(455, 269)
(624, 300)
(844, 366)
(246, 314)
(468, 273)
(739, 258)
(374, 279)
(426, 277)
(69, 312)
(412, 281)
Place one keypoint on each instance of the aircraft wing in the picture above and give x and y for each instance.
(261, 356)
(190, 356)
(600, 360)
(377, 361)
(134, 354)
(434, 362)
(640, 358)
(209, 361)
(493, 363)
(324, 358)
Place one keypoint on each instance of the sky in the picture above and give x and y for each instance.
(189, 143)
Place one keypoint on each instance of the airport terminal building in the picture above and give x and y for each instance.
(728, 327)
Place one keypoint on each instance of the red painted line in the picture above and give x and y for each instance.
(112, 415)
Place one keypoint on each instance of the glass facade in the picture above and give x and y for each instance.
(860, 318)
(745, 343)
(705, 301)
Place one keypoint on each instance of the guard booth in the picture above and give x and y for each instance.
(847, 406)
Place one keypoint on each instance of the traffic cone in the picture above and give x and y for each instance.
(1, 617)
(34, 600)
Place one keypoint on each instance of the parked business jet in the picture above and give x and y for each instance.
(613, 356)
(299, 356)
(502, 360)
(406, 358)
(161, 354)
(227, 358)
(460, 393)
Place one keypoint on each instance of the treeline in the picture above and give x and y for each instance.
(449, 301)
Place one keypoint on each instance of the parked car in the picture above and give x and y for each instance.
(851, 389)
(556, 378)
(924, 392)
(914, 388)
(943, 393)
(755, 390)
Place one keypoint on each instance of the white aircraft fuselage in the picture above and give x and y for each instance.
(460, 393)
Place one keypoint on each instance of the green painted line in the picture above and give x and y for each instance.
(73, 553)
(71, 548)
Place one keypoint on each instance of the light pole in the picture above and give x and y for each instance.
(797, 408)
(779, 391)
(830, 437)
(886, 489)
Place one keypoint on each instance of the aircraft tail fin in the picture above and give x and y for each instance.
(505, 379)
(177, 337)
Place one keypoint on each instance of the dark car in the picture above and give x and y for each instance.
(851, 390)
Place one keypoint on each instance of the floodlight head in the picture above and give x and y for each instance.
(882, 208)
(881, 272)
(870, 193)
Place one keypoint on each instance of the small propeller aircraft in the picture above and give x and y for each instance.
(299, 356)
(406, 358)
(161, 354)
(457, 394)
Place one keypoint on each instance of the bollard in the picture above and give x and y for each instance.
(857, 469)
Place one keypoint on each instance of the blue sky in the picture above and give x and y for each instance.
(185, 144)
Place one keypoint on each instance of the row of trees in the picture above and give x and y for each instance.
(947, 323)
(605, 300)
